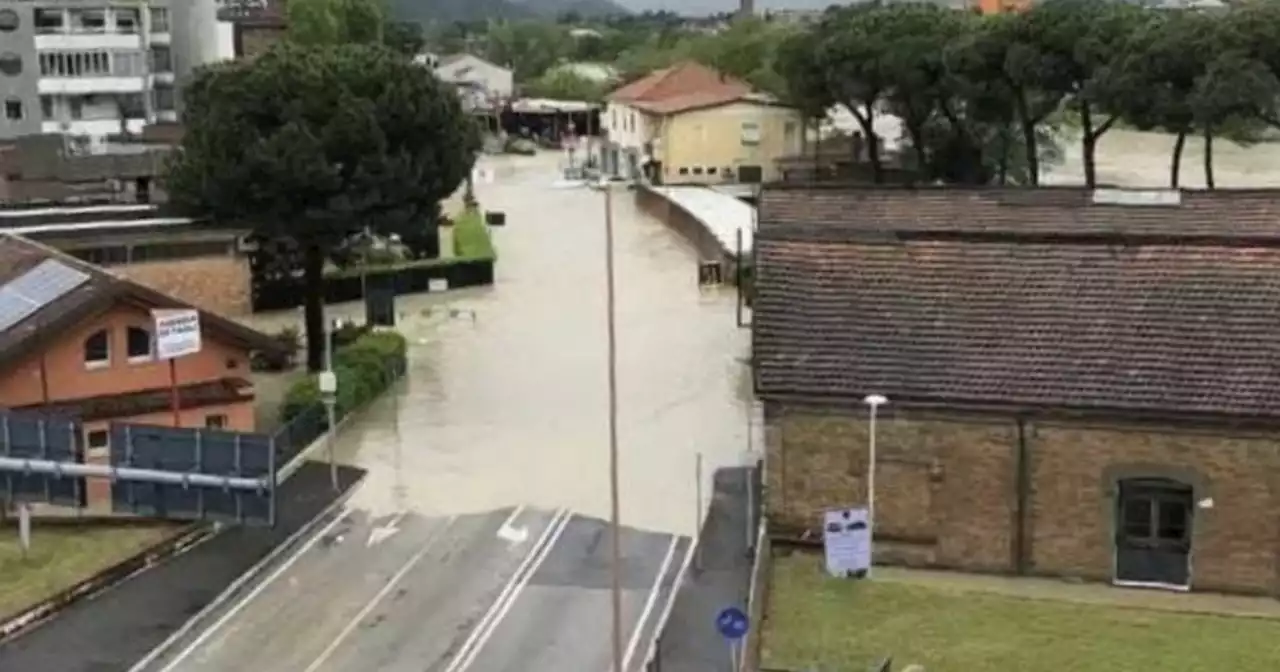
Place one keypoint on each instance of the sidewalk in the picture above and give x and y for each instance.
(690, 642)
(117, 628)
(1086, 593)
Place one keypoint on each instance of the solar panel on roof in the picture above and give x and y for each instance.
(24, 295)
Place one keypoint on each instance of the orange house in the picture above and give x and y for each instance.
(76, 340)
(1000, 6)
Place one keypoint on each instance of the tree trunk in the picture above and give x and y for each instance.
(873, 148)
(1003, 162)
(1030, 146)
(313, 280)
(916, 131)
(1090, 142)
(1208, 156)
(1176, 165)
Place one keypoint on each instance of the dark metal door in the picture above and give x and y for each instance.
(750, 174)
(1153, 532)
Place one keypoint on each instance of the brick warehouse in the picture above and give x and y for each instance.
(1081, 383)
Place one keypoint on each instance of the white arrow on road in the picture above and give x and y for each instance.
(385, 531)
(512, 534)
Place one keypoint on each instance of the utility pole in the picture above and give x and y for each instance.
(615, 549)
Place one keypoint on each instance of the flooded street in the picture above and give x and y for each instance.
(505, 402)
(1141, 159)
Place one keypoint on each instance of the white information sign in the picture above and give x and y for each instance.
(177, 333)
(846, 537)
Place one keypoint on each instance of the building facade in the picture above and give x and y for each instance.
(691, 125)
(1080, 383)
(481, 84)
(86, 350)
(98, 69)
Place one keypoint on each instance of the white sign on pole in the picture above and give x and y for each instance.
(24, 527)
(177, 333)
(846, 538)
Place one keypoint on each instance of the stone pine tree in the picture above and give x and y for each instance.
(310, 146)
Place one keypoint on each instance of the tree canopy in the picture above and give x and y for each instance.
(311, 145)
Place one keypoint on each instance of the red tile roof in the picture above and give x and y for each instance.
(681, 87)
(1021, 299)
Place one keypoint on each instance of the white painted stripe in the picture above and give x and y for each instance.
(253, 594)
(379, 597)
(671, 601)
(649, 603)
(489, 622)
(249, 575)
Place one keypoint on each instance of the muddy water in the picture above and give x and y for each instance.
(506, 398)
(1136, 158)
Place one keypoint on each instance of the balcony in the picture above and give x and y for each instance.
(55, 86)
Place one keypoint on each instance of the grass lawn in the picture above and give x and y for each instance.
(843, 625)
(65, 554)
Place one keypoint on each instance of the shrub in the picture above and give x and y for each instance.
(471, 240)
(290, 340)
(364, 368)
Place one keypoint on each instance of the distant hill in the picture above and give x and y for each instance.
(448, 11)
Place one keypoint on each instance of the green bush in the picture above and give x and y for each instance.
(471, 241)
(364, 368)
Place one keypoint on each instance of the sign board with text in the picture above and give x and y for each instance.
(177, 333)
(846, 538)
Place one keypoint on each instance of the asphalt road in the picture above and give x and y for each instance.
(559, 617)
(513, 589)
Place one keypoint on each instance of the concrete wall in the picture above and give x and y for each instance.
(948, 495)
(23, 87)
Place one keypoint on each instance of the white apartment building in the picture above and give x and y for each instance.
(95, 69)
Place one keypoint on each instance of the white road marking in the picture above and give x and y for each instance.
(671, 599)
(509, 532)
(385, 531)
(257, 590)
(489, 622)
(649, 603)
(379, 596)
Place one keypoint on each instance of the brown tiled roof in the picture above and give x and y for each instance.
(684, 80)
(702, 100)
(1135, 323)
(102, 291)
(1046, 210)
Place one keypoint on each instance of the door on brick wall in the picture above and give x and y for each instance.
(1153, 533)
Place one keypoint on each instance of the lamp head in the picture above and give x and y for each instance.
(874, 400)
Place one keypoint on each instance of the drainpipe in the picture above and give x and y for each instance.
(1022, 505)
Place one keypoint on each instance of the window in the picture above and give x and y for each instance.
(218, 421)
(127, 64)
(127, 21)
(684, 171)
(159, 20)
(711, 170)
(77, 63)
(138, 344)
(103, 256)
(750, 133)
(161, 59)
(1171, 521)
(8, 20)
(13, 109)
(97, 350)
(88, 20)
(789, 133)
(613, 120)
(46, 108)
(10, 64)
(1137, 518)
(97, 439)
(164, 98)
(697, 170)
(50, 21)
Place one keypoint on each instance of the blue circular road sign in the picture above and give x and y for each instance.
(732, 623)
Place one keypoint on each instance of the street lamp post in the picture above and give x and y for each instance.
(615, 550)
(873, 402)
(329, 395)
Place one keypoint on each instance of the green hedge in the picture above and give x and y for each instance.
(365, 368)
(471, 241)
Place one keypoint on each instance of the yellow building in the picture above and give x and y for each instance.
(689, 124)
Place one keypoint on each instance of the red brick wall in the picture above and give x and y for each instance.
(947, 495)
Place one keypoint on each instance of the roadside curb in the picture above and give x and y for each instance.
(191, 536)
(250, 575)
